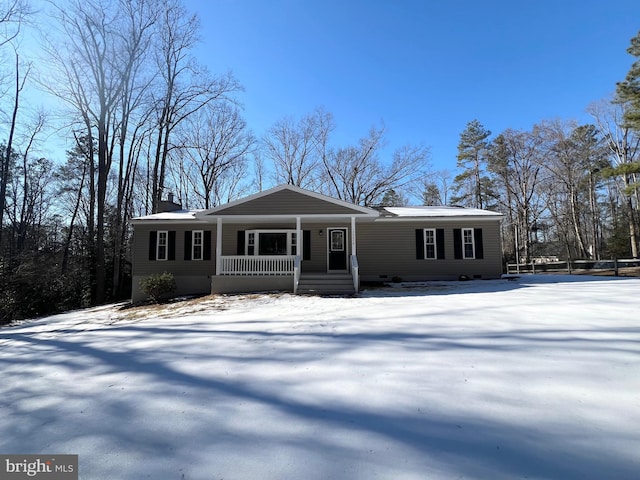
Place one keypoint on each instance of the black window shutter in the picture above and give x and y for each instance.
(457, 243)
(306, 244)
(240, 250)
(187, 245)
(419, 243)
(153, 239)
(440, 243)
(206, 254)
(172, 245)
(477, 234)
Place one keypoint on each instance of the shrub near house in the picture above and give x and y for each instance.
(158, 287)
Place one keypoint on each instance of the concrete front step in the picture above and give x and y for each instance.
(326, 284)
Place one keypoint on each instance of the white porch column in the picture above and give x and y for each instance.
(299, 241)
(353, 235)
(218, 245)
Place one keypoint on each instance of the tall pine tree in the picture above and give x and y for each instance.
(472, 186)
(628, 91)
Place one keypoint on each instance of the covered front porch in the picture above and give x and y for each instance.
(297, 255)
(270, 240)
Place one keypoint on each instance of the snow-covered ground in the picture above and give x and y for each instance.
(533, 378)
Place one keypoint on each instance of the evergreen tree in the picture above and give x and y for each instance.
(472, 185)
(431, 195)
(393, 199)
(628, 91)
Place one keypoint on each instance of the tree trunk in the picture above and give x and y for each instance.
(103, 172)
(156, 192)
(582, 251)
(633, 237)
(593, 210)
(479, 203)
(76, 208)
(6, 161)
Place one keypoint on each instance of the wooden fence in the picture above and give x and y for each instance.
(574, 266)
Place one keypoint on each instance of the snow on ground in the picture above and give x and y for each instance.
(534, 378)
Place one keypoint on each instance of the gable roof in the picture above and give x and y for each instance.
(288, 201)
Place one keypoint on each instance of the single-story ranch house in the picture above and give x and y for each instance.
(291, 239)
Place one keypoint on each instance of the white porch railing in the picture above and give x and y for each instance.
(257, 265)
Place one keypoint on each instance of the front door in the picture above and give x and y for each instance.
(337, 239)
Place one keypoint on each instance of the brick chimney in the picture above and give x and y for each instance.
(168, 205)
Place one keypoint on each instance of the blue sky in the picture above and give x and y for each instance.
(424, 68)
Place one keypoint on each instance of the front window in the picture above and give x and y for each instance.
(251, 243)
(468, 247)
(430, 243)
(196, 246)
(161, 245)
(271, 242)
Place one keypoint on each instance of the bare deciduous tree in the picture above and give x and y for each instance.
(573, 157)
(13, 14)
(214, 143)
(358, 175)
(102, 43)
(296, 148)
(515, 160)
(185, 86)
(435, 188)
(5, 161)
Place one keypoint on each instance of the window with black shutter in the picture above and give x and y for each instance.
(153, 239)
(197, 244)
(430, 243)
(457, 243)
(306, 245)
(440, 243)
(467, 243)
(207, 245)
(477, 234)
(162, 245)
(187, 245)
(171, 254)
